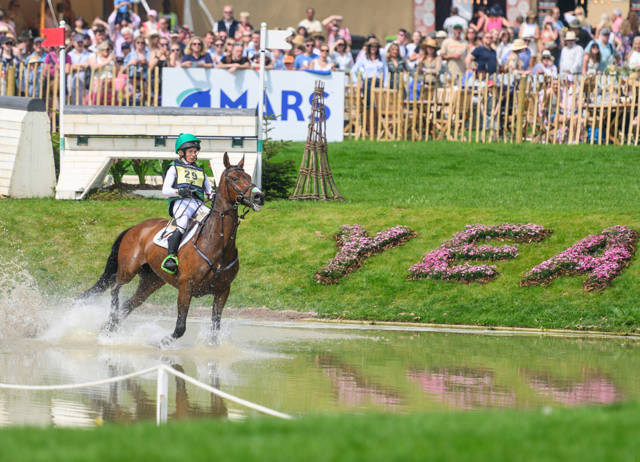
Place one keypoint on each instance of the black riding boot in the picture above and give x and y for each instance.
(170, 264)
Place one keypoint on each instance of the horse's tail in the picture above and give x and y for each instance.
(108, 277)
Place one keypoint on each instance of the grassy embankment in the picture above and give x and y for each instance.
(435, 188)
(585, 434)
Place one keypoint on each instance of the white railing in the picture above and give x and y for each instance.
(162, 390)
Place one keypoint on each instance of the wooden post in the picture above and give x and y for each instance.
(520, 109)
(609, 105)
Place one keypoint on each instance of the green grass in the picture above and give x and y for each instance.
(435, 188)
(587, 434)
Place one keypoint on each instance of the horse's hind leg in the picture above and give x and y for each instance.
(149, 283)
(114, 318)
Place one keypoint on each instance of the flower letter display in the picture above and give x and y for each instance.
(354, 247)
(439, 263)
(604, 256)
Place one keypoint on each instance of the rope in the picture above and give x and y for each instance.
(186, 378)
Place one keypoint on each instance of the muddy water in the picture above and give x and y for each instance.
(292, 367)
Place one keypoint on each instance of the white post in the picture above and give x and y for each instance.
(263, 46)
(63, 83)
(162, 396)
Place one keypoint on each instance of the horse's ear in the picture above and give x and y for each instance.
(225, 159)
(241, 163)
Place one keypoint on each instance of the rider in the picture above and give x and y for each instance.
(185, 184)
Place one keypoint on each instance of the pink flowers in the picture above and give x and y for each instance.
(437, 264)
(354, 246)
(603, 256)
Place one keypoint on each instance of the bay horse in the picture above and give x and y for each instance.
(207, 265)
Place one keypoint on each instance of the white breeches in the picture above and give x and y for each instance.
(183, 210)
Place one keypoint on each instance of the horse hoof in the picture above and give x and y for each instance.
(215, 339)
(167, 341)
(108, 328)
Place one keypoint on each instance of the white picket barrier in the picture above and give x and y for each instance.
(162, 395)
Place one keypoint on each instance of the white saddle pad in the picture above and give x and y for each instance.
(162, 236)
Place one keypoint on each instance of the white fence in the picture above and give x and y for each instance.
(162, 391)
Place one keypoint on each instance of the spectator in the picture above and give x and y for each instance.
(518, 25)
(99, 36)
(278, 60)
(174, 39)
(415, 52)
(38, 54)
(605, 23)
(479, 20)
(116, 26)
(52, 60)
(8, 57)
(624, 39)
(195, 56)
(175, 55)
(80, 26)
(548, 35)
(303, 59)
(255, 60)
(138, 59)
(253, 47)
(163, 27)
(322, 63)
(313, 26)
(150, 26)
(452, 20)
(633, 60)
(472, 38)
(519, 58)
(396, 65)
(373, 69)
(235, 60)
(530, 27)
(582, 36)
(222, 35)
(103, 65)
(218, 53)
(227, 23)
(616, 20)
(454, 50)
(208, 39)
(184, 35)
(126, 35)
(301, 36)
(431, 64)
(244, 25)
(545, 66)
(532, 44)
(288, 62)
(402, 40)
(608, 53)
(335, 29)
(121, 9)
(555, 19)
(5, 22)
(484, 56)
(572, 56)
(160, 56)
(440, 37)
(592, 60)
(504, 45)
(341, 56)
(246, 40)
(495, 20)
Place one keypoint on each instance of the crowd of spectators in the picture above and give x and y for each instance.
(124, 44)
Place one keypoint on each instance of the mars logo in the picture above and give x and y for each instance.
(194, 97)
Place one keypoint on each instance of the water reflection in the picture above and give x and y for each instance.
(463, 388)
(352, 388)
(595, 388)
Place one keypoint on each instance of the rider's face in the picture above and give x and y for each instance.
(191, 155)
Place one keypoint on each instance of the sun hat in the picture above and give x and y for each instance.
(104, 46)
(441, 34)
(570, 36)
(152, 13)
(431, 43)
(575, 23)
(518, 44)
(288, 59)
(547, 54)
(4, 29)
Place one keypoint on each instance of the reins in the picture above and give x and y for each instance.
(217, 270)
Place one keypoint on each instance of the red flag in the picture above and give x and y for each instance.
(53, 37)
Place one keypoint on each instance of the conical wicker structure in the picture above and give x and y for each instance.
(315, 180)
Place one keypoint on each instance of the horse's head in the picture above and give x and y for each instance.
(237, 187)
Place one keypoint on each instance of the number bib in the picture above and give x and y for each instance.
(189, 175)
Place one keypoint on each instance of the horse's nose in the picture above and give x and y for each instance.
(259, 198)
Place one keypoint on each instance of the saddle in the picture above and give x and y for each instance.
(195, 222)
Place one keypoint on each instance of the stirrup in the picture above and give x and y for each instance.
(170, 264)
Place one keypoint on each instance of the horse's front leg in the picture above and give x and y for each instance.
(184, 300)
(219, 300)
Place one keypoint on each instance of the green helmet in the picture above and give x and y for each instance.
(186, 140)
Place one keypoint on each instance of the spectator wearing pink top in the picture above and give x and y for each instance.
(495, 19)
(335, 28)
(616, 20)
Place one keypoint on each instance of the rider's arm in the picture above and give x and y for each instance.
(167, 187)
(207, 186)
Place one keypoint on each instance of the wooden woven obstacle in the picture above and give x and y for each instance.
(315, 180)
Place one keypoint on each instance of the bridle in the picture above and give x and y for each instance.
(240, 197)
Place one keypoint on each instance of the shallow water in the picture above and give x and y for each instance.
(296, 368)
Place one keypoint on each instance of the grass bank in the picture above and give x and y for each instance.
(587, 434)
(434, 188)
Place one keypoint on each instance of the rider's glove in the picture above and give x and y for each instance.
(184, 192)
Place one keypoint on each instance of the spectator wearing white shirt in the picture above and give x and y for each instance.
(341, 56)
(633, 60)
(571, 56)
(79, 64)
(313, 26)
(402, 40)
(452, 20)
